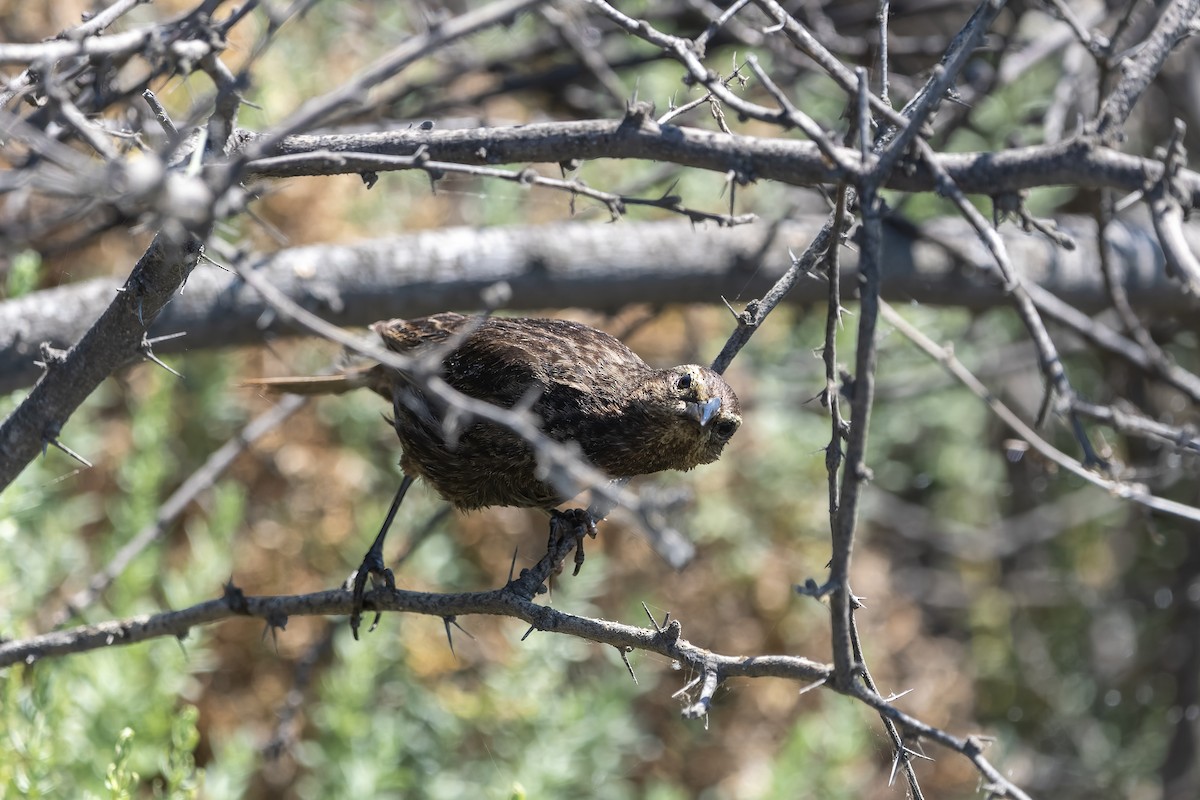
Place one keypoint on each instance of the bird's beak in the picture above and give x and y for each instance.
(703, 412)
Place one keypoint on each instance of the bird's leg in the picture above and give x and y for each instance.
(578, 523)
(374, 566)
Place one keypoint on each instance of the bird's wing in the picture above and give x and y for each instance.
(503, 360)
(483, 358)
(411, 336)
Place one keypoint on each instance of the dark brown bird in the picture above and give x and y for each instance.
(583, 385)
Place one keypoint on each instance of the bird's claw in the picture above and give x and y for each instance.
(373, 567)
(576, 522)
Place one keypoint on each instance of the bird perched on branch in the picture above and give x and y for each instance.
(582, 385)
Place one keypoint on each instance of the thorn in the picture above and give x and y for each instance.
(896, 759)
(814, 685)
(918, 754)
(151, 357)
(167, 337)
(269, 628)
(730, 307)
(894, 697)
(148, 354)
(52, 440)
(653, 621)
(513, 566)
(525, 636)
(687, 687)
(214, 262)
(448, 621)
(467, 633)
(624, 651)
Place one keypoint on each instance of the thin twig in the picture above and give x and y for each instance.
(1125, 491)
(174, 506)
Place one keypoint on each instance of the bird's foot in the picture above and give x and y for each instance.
(372, 566)
(574, 522)
(568, 529)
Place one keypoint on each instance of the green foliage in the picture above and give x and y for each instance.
(119, 780)
(182, 780)
(835, 737)
(58, 722)
(23, 274)
(553, 720)
(60, 718)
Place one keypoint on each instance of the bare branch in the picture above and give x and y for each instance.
(1177, 22)
(1125, 491)
(605, 266)
(1072, 162)
(1049, 361)
(109, 344)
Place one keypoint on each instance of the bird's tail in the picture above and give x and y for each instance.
(317, 384)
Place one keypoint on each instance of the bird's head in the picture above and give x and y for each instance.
(703, 414)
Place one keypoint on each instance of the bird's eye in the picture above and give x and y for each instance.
(684, 382)
(725, 428)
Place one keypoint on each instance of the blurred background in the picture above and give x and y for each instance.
(1010, 600)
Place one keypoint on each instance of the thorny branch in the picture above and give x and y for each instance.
(1075, 162)
(512, 600)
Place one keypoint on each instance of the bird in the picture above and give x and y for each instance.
(582, 385)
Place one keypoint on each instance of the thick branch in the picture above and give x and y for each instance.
(590, 266)
(108, 344)
(1073, 162)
